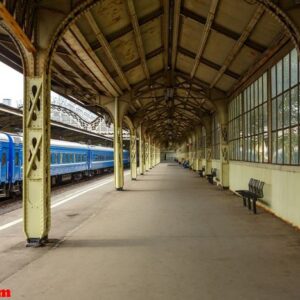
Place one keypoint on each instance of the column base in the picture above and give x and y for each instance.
(37, 242)
(119, 189)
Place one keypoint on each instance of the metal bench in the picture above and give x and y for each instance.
(186, 164)
(254, 192)
(210, 177)
(201, 172)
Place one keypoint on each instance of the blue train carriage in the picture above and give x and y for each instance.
(101, 159)
(68, 161)
(11, 171)
(4, 172)
(126, 158)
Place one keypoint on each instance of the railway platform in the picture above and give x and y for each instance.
(168, 235)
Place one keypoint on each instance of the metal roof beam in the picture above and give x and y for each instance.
(239, 44)
(107, 49)
(205, 35)
(115, 35)
(79, 44)
(68, 54)
(138, 36)
(176, 23)
(137, 62)
(10, 21)
(222, 30)
(207, 62)
(165, 32)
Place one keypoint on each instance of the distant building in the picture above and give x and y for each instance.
(7, 101)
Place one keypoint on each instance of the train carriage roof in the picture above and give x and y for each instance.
(100, 148)
(57, 143)
(3, 137)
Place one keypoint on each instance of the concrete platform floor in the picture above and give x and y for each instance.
(169, 235)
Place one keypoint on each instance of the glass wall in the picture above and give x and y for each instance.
(215, 138)
(252, 133)
(285, 110)
(236, 128)
(203, 142)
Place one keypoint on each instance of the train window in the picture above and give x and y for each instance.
(17, 160)
(3, 160)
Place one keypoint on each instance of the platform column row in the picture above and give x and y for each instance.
(133, 153)
(36, 159)
(141, 151)
(118, 146)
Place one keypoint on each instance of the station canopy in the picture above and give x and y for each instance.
(175, 59)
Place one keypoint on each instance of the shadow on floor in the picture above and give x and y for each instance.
(103, 243)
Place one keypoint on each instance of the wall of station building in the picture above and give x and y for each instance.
(264, 137)
(264, 142)
(281, 190)
(167, 155)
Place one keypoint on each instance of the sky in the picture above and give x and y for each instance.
(11, 84)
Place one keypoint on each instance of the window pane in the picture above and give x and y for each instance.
(273, 75)
(294, 67)
(266, 146)
(265, 87)
(255, 91)
(265, 112)
(279, 112)
(274, 148)
(241, 127)
(274, 114)
(249, 99)
(256, 120)
(260, 90)
(280, 147)
(286, 72)
(286, 109)
(260, 148)
(279, 77)
(259, 121)
(294, 146)
(286, 146)
(294, 106)
(253, 96)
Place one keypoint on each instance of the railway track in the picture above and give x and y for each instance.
(9, 204)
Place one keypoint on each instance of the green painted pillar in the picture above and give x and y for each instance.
(133, 163)
(36, 160)
(118, 147)
(141, 150)
(147, 167)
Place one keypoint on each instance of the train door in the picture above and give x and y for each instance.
(89, 159)
(17, 164)
(4, 163)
